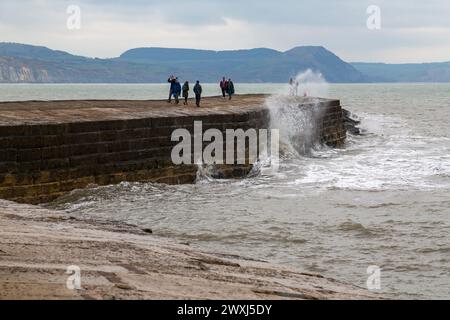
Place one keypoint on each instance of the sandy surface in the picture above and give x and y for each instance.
(120, 261)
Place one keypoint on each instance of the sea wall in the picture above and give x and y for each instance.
(50, 148)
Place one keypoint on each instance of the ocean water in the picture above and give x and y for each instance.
(382, 200)
(20, 92)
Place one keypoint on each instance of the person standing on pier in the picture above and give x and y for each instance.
(172, 81)
(293, 87)
(230, 88)
(198, 93)
(224, 86)
(176, 91)
(186, 92)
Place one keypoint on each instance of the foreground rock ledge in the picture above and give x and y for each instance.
(120, 261)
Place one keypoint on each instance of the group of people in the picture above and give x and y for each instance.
(227, 87)
(177, 91)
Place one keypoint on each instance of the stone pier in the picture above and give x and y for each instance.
(50, 148)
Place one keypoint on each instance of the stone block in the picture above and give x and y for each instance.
(8, 155)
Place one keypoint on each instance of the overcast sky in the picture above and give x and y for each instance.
(411, 31)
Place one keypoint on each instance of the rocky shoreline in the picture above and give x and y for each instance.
(120, 261)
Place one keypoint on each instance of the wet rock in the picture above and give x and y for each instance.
(350, 123)
(353, 129)
(118, 258)
(147, 230)
(124, 286)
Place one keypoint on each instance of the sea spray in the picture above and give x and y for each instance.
(207, 173)
(310, 84)
(297, 121)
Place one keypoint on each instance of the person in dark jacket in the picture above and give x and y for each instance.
(186, 92)
(172, 80)
(230, 88)
(198, 93)
(224, 86)
(177, 91)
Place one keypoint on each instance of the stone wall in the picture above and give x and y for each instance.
(40, 162)
(330, 126)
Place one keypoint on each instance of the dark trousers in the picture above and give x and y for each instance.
(170, 96)
(223, 92)
(198, 97)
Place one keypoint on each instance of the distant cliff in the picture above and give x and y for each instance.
(20, 70)
(21, 63)
(408, 72)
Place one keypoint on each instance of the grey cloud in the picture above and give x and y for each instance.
(339, 25)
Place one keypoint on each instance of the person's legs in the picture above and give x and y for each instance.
(176, 99)
(186, 100)
(223, 93)
(197, 99)
(170, 97)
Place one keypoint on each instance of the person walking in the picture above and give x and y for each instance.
(291, 87)
(198, 93)
(230, 88)
(172, 81)
(224, 86)
(186, 92)
(176, 91)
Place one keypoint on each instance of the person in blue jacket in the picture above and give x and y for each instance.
(172, 81)
(230, 88)
(176, 91)
(198, 93)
